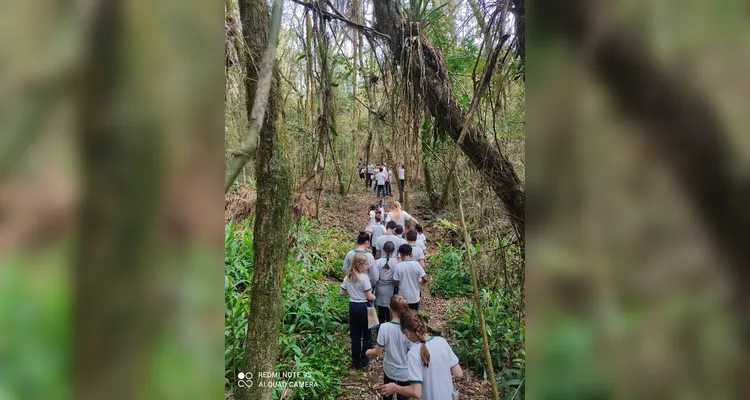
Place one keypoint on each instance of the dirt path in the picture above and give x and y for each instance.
(351, 214)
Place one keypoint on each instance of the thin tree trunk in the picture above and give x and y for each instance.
(370, 97)
(310, 74)
(478, 304)
(355, 63)
(326, 118)
(416, 126)
(431, 195)
(273, 217)
(444, 107)
(260, 94)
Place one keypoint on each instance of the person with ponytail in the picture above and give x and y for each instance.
(388, 236)
(430, 363)
(358, 287)
(396, 346)
(384, 288)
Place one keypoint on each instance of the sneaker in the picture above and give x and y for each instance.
(365, 364)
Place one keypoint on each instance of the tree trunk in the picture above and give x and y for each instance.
(326, 118)
(310, 75)
(355, 63)
(273, 218)
(448, 113)
(117, 214)
(431, 194)
(490, 369)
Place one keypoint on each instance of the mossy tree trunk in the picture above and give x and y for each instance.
(273, 217)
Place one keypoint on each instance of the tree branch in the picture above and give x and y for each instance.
(364, 28)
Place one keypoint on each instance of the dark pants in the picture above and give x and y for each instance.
(369, 179)
(381, 190)
(387, 379)
(388, 188)
(401, 182)
(414, 306)
(359, 333)
(384, 314)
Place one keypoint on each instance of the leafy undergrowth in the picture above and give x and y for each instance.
(313, 333)
(501, 305)
(451, 273)
(323, 249)
(505, 335)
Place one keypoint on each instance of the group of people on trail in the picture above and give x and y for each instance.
(387, 269)
(379, 177)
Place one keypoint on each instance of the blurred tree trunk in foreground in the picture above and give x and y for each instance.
(120, 197)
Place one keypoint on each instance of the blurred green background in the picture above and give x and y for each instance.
(628, 295)
(629, 291)
(111, 207)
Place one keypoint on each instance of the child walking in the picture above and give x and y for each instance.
(376, 231)
(399, 215)
(421, 238)
(401, 176)
(388, 179)
(388, 236)
(384, 288)
(408, 277)
(357, 286)
(431, 364)
(417, 254)
(362, 248)
(396, 346)
(380, 177)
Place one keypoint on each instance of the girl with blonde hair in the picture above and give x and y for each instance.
(358, 287)
(398, 215)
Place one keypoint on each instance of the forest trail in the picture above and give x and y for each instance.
(351, 215)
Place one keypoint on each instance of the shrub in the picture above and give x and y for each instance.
(323, 250)
(451, 277)
(505, 334)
